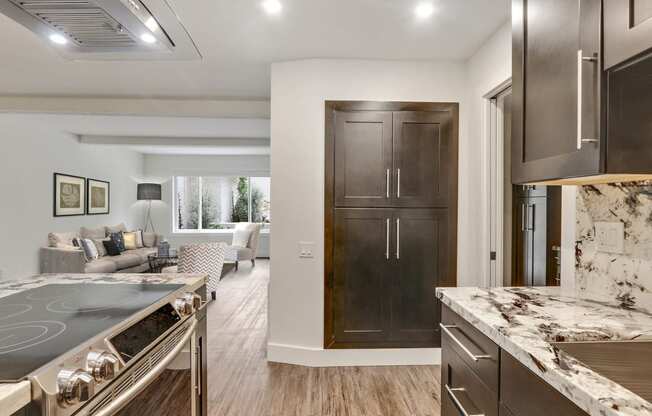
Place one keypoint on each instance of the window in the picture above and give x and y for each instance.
(218, 203)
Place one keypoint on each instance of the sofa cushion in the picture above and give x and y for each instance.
(103, 265)
(92, 233)
(115, 229)
(90, 251)
(126, 260)
(62, 240)
(118, 240)
(143, 253)
(111, 248)
(130, 241)
(99, 245)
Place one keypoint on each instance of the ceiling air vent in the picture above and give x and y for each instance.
(105, 29)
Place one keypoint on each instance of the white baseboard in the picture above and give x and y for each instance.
(319, 357)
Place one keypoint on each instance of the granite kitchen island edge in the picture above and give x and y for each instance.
(524, 322)
(14, 396)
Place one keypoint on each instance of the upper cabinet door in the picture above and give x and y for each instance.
(363, 158)
(627, 29)
(556, 89)
(422, 146)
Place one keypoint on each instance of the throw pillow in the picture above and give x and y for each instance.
(118, 240)
(139, 239)
(56, 239)
(149, 239)
(99, 245)
(111, 248)
(129, 241)
(89, 249)
(92, 233)
(115, 229)
(241, 236)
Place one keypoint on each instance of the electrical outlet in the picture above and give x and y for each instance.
(306, 249)
(610, 237)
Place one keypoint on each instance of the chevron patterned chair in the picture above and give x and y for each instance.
(201, 258)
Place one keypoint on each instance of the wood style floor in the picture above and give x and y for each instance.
(242, 383)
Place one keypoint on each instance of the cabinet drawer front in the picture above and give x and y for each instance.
(461, 337)
(525, 394)
(463, 389)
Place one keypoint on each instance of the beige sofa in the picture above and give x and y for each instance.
(62, 257)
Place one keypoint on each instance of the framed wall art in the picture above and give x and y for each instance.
(99, 197)
(69, 195)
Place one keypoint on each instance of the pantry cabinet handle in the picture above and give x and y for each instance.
(398, 183)
(456, 401)
(580, 61)
(398, 239)
(387, 183)
(474, 357)
(387, 239)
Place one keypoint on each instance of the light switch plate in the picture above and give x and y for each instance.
(306, 249)
(610, 237)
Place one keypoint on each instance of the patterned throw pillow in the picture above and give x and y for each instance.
(99, 245)
(118, 240)
(129, 241)
(111, 248)
(89, 249)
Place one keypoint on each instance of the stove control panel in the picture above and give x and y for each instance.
(102, 365)
(74, 387)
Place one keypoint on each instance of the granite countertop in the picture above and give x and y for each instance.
(524, 321)
(14, 396)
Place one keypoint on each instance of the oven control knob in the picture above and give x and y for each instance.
(74, 387)
(102, 365)
(188, 304)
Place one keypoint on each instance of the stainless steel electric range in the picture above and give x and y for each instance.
(106, 349)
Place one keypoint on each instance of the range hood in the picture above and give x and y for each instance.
(105, 29)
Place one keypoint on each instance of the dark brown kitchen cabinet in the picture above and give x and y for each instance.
(526, 394)
(387, 263)
(578, 114)
(627, 30)
(419, 256)
(421, 158)
(472, 364)
(556, 113)
(361, 280)
(390, 221)
(363, 158)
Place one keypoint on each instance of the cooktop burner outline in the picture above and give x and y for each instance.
(39, 325)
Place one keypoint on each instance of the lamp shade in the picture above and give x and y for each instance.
(149, 191)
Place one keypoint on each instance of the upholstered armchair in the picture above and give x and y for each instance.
(245, 243)
(205, 258)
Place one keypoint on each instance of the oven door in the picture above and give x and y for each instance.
(165, 382)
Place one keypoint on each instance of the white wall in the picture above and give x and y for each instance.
(298, 93)
(488, 69)
(162, 168)
(31, 153)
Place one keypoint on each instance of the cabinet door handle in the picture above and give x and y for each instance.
(398, 239)
(451, 393)
(531, 219)
(580, 61)
(523, 227)
(474, 357)
(387, 183)
(387, 239)
(398, 183)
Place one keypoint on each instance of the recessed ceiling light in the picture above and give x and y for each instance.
(424, 10)
(151, 24)
(148, 38)
(272, 6)
(58, 39)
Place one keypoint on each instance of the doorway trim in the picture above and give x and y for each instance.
(494, 194)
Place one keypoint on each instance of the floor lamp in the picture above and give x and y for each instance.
(149, 192)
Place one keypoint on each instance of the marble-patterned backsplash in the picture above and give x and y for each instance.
(625, 277)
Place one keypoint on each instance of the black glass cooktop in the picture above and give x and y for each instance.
(39, 325)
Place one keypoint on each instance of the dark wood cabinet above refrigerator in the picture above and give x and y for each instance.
(573, 121)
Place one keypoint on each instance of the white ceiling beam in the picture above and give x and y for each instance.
(139, 141)
(169, 107)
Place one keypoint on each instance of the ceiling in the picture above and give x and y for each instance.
(239, 41)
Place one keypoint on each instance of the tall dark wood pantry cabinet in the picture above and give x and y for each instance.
(391, 214)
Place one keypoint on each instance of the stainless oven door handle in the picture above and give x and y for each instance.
(140, 385)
